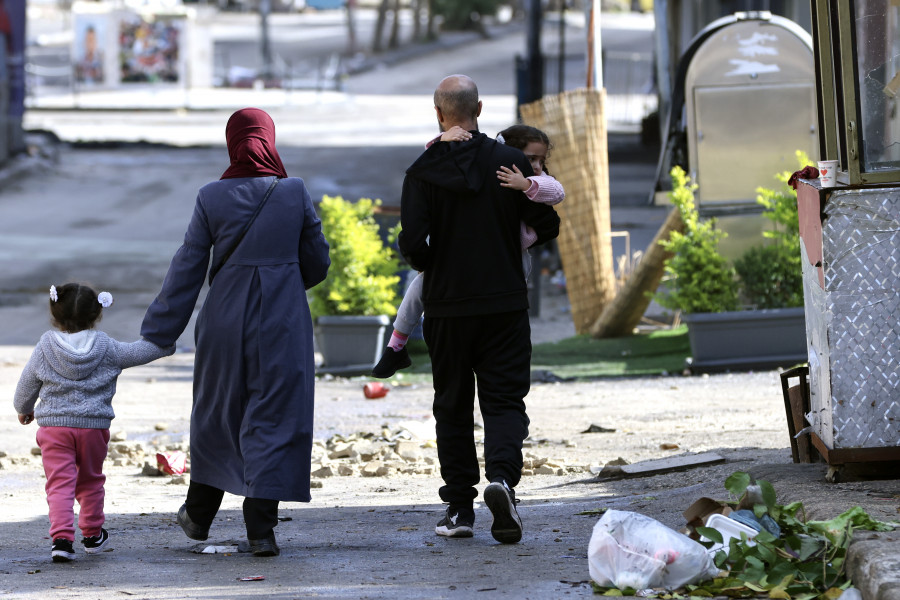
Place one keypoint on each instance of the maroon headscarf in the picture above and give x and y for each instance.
(250, 135)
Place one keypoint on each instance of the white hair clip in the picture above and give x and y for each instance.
(53, 295)
(500, 138)
(105, 299)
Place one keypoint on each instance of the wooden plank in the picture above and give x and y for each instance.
(621, 316)
(667, 465)
(840, 456)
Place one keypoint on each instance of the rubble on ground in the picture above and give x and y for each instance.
(407, 449)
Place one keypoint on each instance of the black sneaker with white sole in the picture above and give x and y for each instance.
(96, 543)
(457, 522)
(501, 501)
(62, 550)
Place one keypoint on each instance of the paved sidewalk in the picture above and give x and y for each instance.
(373, 537)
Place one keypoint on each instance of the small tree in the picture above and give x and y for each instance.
(362, 279)
(466, 14)
(700, 278)
(772, 275)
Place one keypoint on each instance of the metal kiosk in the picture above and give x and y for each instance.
(850, 238)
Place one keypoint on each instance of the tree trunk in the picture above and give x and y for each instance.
(351, 27)
(394, 40)
(417, 20)
(620, 316)
(379, 26)
(429, 28)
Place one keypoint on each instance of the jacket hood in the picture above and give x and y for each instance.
(69, 363)
(455, 166)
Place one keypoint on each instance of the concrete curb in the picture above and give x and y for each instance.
(873, 564)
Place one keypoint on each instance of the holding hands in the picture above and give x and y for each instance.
(456, 134)
(513, 178)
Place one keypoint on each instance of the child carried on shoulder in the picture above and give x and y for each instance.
(540, 187)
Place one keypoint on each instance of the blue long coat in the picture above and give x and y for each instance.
(252, 418)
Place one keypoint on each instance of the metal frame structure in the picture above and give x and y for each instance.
(839, 58)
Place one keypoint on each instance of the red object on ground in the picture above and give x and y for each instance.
(171, 463)
(375, 389)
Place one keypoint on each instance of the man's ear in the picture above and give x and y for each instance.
(440, 114)
(478, 114)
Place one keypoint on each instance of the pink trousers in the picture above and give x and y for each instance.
(73, 463)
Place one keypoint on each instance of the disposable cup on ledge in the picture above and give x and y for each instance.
(828, 173)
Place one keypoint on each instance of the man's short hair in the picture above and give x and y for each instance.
(460, 102)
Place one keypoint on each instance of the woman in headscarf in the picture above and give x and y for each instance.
(252, 417)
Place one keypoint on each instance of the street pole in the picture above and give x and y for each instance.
(595, 49)
(562, 47)
(533, 55)
(265, 7)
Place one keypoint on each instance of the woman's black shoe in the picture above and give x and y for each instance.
(191, 529)
(265, 547)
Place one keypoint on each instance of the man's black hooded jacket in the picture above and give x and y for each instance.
(463, 229)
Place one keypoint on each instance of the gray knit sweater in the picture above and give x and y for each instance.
(76, 384)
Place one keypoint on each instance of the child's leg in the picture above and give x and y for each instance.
(57, 446)
(411, 307)
(90, 452)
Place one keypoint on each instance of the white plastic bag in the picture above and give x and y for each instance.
(631, 550)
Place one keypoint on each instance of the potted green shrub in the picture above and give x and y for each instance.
(771, 275)
(766, 281)
(352, 307)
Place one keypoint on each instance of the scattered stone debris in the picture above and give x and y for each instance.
(408, 449)
(598, 429)
(151, 470)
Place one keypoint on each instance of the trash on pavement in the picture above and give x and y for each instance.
(749, 518)
(598, 429)
(172, 463)
(252, 578)
(698, 512)
(729, 528)
(631, 550)
(375, 389)
(201, 549)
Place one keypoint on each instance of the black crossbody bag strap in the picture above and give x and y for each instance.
(240, 238)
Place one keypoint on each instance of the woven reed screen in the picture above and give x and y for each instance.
(576, 124)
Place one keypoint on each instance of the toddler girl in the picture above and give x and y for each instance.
(540, 187)
(74, 371)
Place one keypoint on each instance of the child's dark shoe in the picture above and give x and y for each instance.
(62, 550)
(390, 362)
(96, 543)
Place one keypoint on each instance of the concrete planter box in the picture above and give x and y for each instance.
(350, 344)
(747, 339)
